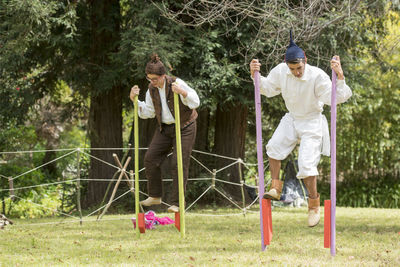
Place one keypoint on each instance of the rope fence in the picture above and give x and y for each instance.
(214, 181)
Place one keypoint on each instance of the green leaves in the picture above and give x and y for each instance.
(358, 191)
(32, 34)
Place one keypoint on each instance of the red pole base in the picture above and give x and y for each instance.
(178, 221)
(267, 220)
(327, 223)
(141, 224)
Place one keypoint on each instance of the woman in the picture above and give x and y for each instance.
(159, 103)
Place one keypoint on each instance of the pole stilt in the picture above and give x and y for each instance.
(265, 215)
(332, 203)
(181, 214)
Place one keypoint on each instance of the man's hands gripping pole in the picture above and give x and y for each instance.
(254, 66)
(337, 67)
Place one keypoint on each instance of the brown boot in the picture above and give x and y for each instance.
(313, 211)
(275, 190)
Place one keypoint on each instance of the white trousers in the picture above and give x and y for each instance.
(309, 132)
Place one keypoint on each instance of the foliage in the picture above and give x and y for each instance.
(46, 65)
(145, 31)
(368, 132)
(32, 33)
(21, 165)
(51, 198)
(14, 138)
(374, 191)
(230, 35)
(36, 204)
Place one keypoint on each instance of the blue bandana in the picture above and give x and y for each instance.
(293, 51)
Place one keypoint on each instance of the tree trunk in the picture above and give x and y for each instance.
(105, 120)
(105, 132)
(203, 122)
(201, 144)
(50, 169)
(230, 136)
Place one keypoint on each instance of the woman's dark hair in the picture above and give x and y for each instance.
(155, 66)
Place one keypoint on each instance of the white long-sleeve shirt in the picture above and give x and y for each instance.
(304, 97)
(146, 108)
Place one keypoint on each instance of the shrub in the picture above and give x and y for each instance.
(375, 191)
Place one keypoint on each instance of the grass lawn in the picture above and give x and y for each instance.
(365, 237)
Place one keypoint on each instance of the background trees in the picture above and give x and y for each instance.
(68, 66)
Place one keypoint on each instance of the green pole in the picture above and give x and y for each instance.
(180, 168)
(136, 134)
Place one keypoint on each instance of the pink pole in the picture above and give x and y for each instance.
(259, 151)
(333, 165)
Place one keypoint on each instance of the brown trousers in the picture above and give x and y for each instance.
(161, 144)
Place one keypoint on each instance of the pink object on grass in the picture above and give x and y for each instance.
(151, 220)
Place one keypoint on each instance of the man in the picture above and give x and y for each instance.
(159, 103)
(305, 89)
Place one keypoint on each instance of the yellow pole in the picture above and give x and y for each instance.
(136, 134)
(180, 168)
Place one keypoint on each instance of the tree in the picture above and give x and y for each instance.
(369, 132)
(231, 33)
(105, 121)
(44, 42)
(99, 50)
(32, 32)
